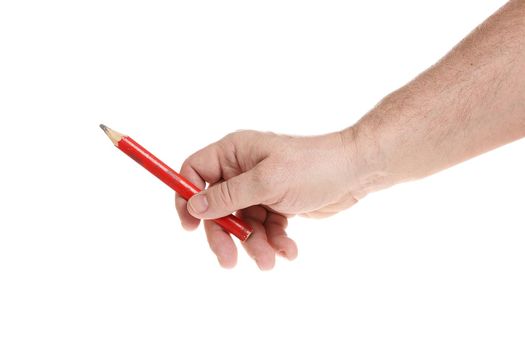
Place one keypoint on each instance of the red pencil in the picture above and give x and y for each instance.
(173, 179)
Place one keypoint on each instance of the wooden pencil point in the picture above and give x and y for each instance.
(113, 135)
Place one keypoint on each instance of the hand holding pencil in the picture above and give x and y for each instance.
(266, 178)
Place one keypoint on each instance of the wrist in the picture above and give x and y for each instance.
(364, 161)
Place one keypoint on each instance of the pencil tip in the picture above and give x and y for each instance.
(113, 135)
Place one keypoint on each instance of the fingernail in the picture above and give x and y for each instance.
(198, 203)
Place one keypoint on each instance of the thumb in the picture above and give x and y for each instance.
(224, 198)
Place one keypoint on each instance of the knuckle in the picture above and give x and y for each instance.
(185, 165)
(224, 194)
(191, 162)
(240, 135)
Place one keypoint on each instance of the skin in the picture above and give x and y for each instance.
(471, 101)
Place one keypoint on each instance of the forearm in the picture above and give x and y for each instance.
(471, 101)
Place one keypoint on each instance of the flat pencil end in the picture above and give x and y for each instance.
(113, 135)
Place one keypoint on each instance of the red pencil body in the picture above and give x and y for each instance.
(178, 183)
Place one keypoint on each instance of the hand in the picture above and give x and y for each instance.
(266, 178)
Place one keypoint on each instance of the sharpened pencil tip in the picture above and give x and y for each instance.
(113, 135)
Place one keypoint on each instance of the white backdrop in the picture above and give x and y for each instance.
(92, 255)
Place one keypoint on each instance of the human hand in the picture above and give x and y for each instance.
(267, 178)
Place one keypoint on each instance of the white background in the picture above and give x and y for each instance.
(92, 255)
